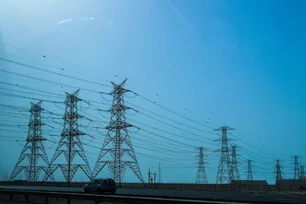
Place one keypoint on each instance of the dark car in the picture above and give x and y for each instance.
(101, 186)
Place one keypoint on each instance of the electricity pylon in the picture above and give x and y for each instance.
(117, 151)
(278, 171)
(70, 144)
(302, 172)
(225, 173)
(296, 168)
(33, 149)
(250, 172)
(201, 174)
(235, 170)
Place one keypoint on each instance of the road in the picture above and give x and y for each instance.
(229, 196)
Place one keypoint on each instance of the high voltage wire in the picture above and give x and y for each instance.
(153, 142)
(45, 80)
(44, 57)
(179, 127)
(29, 88)
(57, 95)
(44, 64)
(25, 97)
(177, 114)
(13, 107)
(167, 132)
(5, 138)
(184, 124)
(17, 114)
(32, 93)
(29, 66)
(51, 72)
(251, 145)
(171, 111)
(158, 146)
(161, 131)
(170, 133)
(170, 160)
(251, 154)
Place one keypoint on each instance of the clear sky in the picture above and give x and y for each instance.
(235, 62)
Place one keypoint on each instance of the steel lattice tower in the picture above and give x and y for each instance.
(225, 173)
(235, 170)
(296, 168)
(302, 172)
(278, 171)
(250, 172)
(117, 144)
(70, 144)
(33, 149)
(201, 174)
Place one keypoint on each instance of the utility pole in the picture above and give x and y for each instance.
(201, 174)
(159, 173)
(235, 170)
(33, 149)
(302, 172)
(225, 173)
(70, 144)
(278, 171)
(250, 172)
(296, 168)
(117, 143)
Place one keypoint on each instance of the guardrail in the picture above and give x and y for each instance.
(101, 198)
(178, 186)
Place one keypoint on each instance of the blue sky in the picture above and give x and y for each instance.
(240, 63)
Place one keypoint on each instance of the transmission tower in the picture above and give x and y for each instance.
(302, 172)
(117, 151)
(296, 168)
(235, 170)
(250, 172)
(278, 171)
(225, 173)
(33, 149)
(201, 174)
(70, 144)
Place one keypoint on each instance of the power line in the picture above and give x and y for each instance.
(170, 133)
(51, 72)
(258, 150)
(178, 128)
(175, 121)
(44, 56)
(46, 81)
(173, 112)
